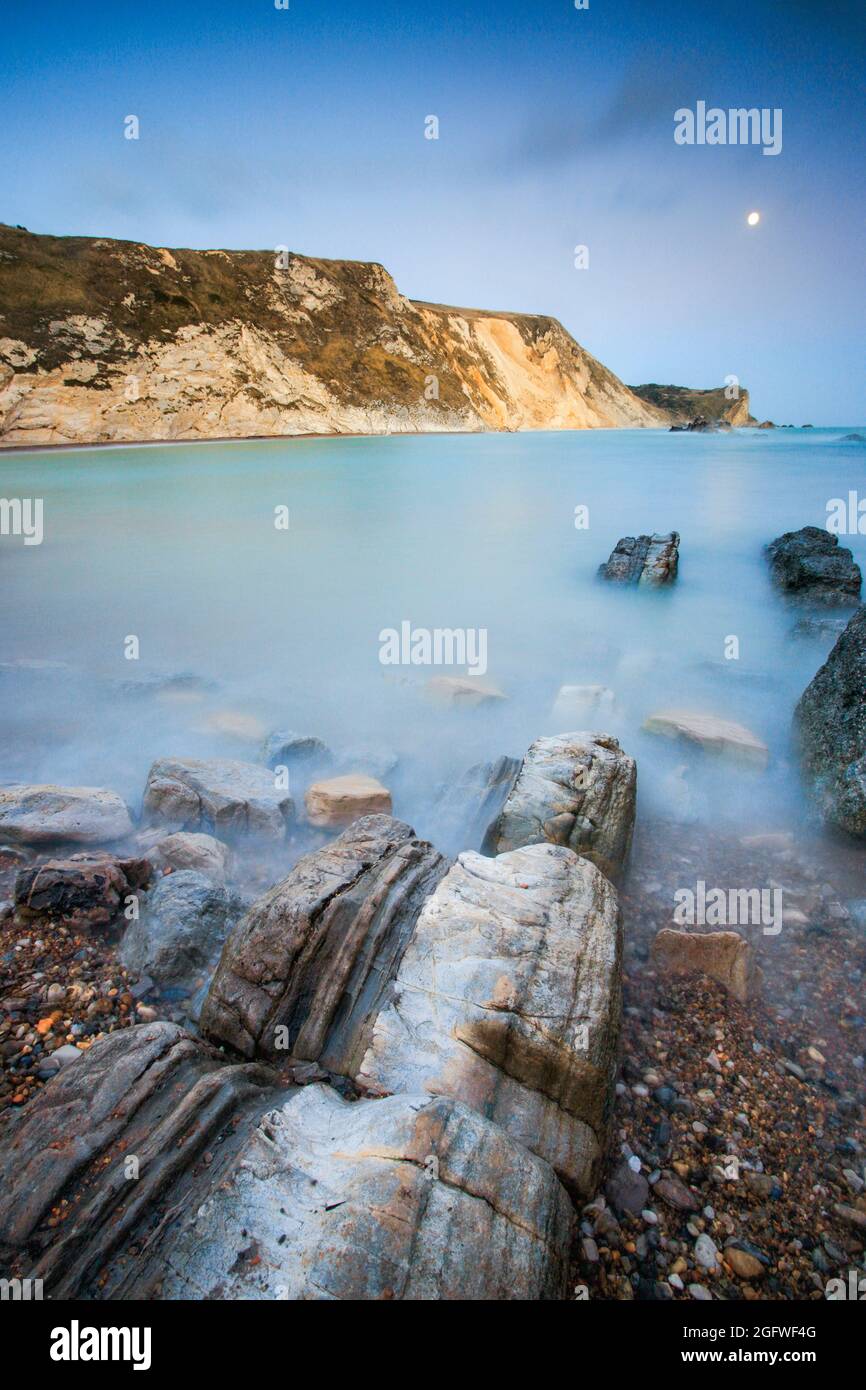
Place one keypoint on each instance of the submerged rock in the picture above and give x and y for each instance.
(508, 999)
(298, 1196)
(341, 800)
(576, 703)
(180, 930)
(649, 560)
(85, 890)
(222, 795)
(466, 808)
(304, 972)
(576, 790)
(830, 722)
(810, 565)
(463, 692)
(722, 737)
(48, 814)
(295, 751)
(723, 955)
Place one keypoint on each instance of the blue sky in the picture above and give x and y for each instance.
(305, 127)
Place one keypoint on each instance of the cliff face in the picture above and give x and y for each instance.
(105, 341)
(682, 404)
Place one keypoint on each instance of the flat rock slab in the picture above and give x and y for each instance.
(723, 955)
(303, 973)
(648, 560)
(577, 790)
(462, 692)
(508, 999)
(340, 800)
(87, 890)
(180, 1176)
(830, 722)
(721, 737)
(811, 566)
(48, 814)
(222, 795)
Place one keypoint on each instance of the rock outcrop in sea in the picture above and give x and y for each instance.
(811, 566)
(830, 723)
(649, 560)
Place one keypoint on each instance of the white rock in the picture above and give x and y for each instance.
(722, 737)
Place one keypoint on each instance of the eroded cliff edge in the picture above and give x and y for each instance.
(113, 341)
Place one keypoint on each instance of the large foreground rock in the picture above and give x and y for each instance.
(576, 790)
(305, 971)
(47, 814)
(649, 560)
(830, 720)
(152, 1169)
(720, 737)
(508, 998)
(723, 955)
(812, 566)
(218, 795)
(180, 930)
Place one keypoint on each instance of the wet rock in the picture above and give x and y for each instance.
(648, 560)
(508, 998)
(830, 723)
(467, 806)
(721, 737)
(723, 955)
(576, 790)
(297, 752)
(461, 692)
(86, 890)
(819, 626)
(190, 850)
(627, 1191)
(675, 1193)
(810, 565)
(300, 1196)
(180, 930)
(304, 972)
(48, 814)
(341, 800)
(217, 795)
(744, 1263)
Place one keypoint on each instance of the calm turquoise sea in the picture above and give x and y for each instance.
(177, 546)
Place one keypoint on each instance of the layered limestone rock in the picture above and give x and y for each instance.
(830, 723)
(108, 341)
(577, 790)
(230, 798)
(153, 1169)
(648, 560)
(508, 999)
(685, 405)
(48, 814)
(305, 971)
(811, 566)
(720, 737)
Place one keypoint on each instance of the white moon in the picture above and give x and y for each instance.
(753, 219)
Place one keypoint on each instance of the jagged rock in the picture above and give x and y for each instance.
(305, 970)
(466, 808)
(182, 1177)
(830, 722)
(576, 790)
(217, 794)
(810, 565)
(189, 850)
(576, 703)
(463, 692)
(723, 955)
(180, 929)
(48, 814)
(721, 737)
(341, 800)
(650, 560)
(85, 890)
(295, 751)
(508, 998)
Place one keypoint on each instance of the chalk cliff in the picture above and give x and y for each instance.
(113, 341)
